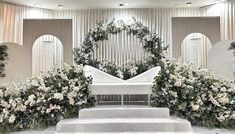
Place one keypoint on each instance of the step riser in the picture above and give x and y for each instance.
(124, 113)
(125, 127)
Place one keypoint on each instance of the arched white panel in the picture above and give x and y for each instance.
(221, 61)
(195, 48)
(47, 53)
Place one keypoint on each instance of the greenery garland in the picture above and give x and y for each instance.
(151, 43)
(3, 59)
(232, 47)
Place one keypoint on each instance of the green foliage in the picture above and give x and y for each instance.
(195, 95)
(232, 47)
(3, 59)
(43, 101)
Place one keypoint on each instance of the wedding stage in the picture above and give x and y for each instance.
(123, 119)
(117, 71)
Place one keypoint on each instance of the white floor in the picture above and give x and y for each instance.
(197, 130)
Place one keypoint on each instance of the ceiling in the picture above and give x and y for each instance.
(104, 4)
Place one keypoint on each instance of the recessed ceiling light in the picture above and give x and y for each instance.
(60, 6)
(121, 5)
(189, 4)
(37, 5)
(126, 4)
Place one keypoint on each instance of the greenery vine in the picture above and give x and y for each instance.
(3, 59)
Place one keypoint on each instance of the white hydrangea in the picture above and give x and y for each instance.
(215, 102)
(58, 96)
(30, 100)
(223, 98)
(173, 94)
(1, 93)
(133, 71)
(12, 119)
(195, 107)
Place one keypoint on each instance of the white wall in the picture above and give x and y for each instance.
(18, 67)
(221, 61)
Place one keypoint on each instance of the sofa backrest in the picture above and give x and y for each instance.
(99, 76)
(145, 77)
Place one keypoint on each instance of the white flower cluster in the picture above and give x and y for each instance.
(47, 97)
(195, 93)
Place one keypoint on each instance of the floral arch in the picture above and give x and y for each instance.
(151, 43)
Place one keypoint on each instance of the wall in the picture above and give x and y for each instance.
(18, 67)
(183, 26)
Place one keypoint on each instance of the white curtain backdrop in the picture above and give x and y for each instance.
(120, 48)
(226, 11)
(123, 48)
(11, 20)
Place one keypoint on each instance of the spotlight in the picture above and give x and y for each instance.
(121, 5)
(60, 6)
(189, 4)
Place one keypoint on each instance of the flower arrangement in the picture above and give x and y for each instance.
(152, 44)
(3, 59)
(196, 95)
(43, 101)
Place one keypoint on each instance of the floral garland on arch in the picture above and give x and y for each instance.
(151, 43)
(3, 59)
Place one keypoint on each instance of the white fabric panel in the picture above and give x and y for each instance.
(194, 49)
(11, 20)
(226, 11)
(47, 53)
(123, 48)
(119, 48)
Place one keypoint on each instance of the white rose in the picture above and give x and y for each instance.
(195, 107)
(1, 94)
(48, 110)
(12, 119)
(223, 98)
(58, 96)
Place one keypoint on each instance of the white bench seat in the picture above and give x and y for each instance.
(105, 84)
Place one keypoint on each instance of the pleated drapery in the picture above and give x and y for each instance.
(124, 48)
(120, 48)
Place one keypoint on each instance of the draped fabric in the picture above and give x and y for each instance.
(123, 48)
(226, 11)
(11, 20)
(120, 48)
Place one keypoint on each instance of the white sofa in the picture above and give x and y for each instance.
(105, 84)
